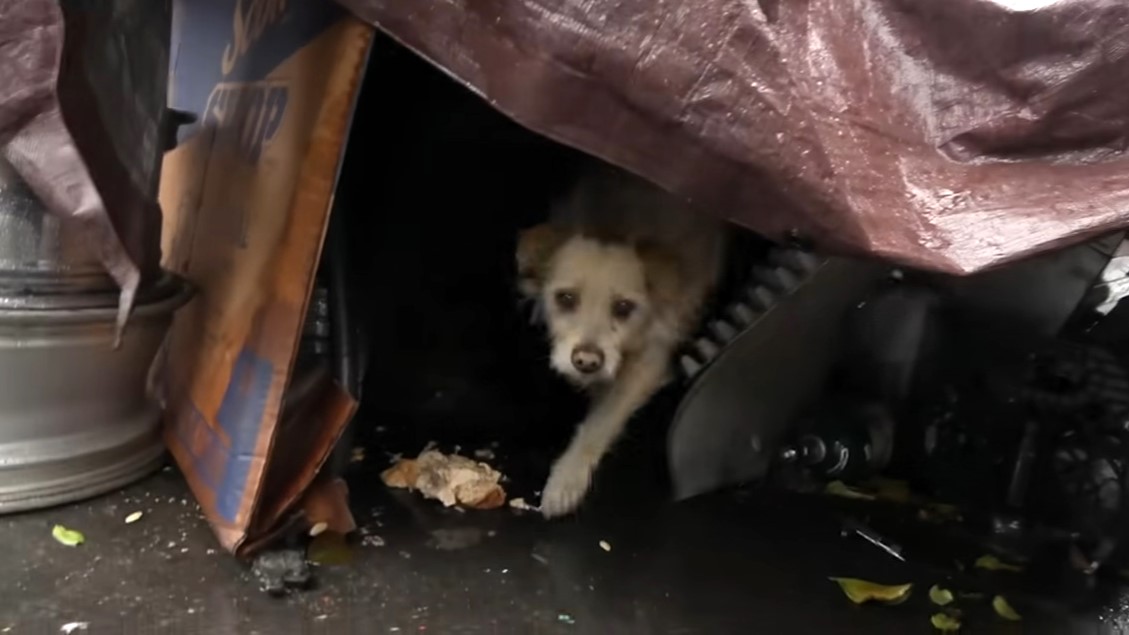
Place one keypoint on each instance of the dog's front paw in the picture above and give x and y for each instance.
(567, 485)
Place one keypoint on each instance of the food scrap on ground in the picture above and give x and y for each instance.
(132, 518)
(861, 591)
(1004, 610)
(945, 622)
(992, 563)
(605, 545)
(68, 537)
(939, 596)
(449, 478)
(318, 529)
(71, 627)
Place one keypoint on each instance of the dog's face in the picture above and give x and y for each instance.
(599, 300)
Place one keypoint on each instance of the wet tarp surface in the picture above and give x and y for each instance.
(83, 87)
(951, 136)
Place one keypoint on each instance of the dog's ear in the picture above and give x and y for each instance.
(663, 271)
(535, 248)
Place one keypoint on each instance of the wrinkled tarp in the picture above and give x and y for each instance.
(83, 87)
(950, 136)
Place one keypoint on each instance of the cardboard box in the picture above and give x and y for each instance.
(246, 198)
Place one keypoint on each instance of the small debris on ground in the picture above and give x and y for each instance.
(449, 478)
(945, 622)
(372, 540)
(992, 563)
(281, 570)
(939, 596)
(71, 627)
(357, 456)
(1004, 610)
(484, 454)
(565, 618)
(605, 545)
(861, 591)
(134, 517)
(318, 529)
(68, 537)
(521, 505)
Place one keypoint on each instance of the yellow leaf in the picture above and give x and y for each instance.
(1004, 610)
(945, 623)
(839, 488)
(860, 591)
(992, 563)
(68, 537)
(939, 596)
(893, 490)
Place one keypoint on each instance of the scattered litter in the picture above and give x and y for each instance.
(605, 545)
(450, 479)
(520, 504)
(992, 563)
(1004, 610)
(484, 454)
(860, 591)
(565, 618)
(134, 517)
(318, 529)
(540, 558)
(68, 537)
(358, 455)
(71, 627)
(945, 622)
(939, 596)
(839, 488)
(372, 540)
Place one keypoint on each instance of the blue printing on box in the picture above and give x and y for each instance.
(239, 416)
(218, 41)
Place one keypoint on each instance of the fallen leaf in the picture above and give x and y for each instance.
(68, 537)
(939, 596)
(839, 488)
(992, 563)
(1004, 610)
(132, 518)
(860, 591)
(605, 545)
(945, 623)
(893, 490)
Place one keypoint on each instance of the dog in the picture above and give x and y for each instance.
(620, 274)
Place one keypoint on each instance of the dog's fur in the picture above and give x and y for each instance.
(620, 273)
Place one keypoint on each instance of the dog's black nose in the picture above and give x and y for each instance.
(587, 358)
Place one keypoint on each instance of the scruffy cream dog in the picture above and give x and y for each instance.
(621, 271)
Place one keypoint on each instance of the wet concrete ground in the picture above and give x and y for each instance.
(730, 563)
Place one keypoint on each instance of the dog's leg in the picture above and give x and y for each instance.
(572, 473)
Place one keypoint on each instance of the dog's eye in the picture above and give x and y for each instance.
(623, 309)
(566, 300)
